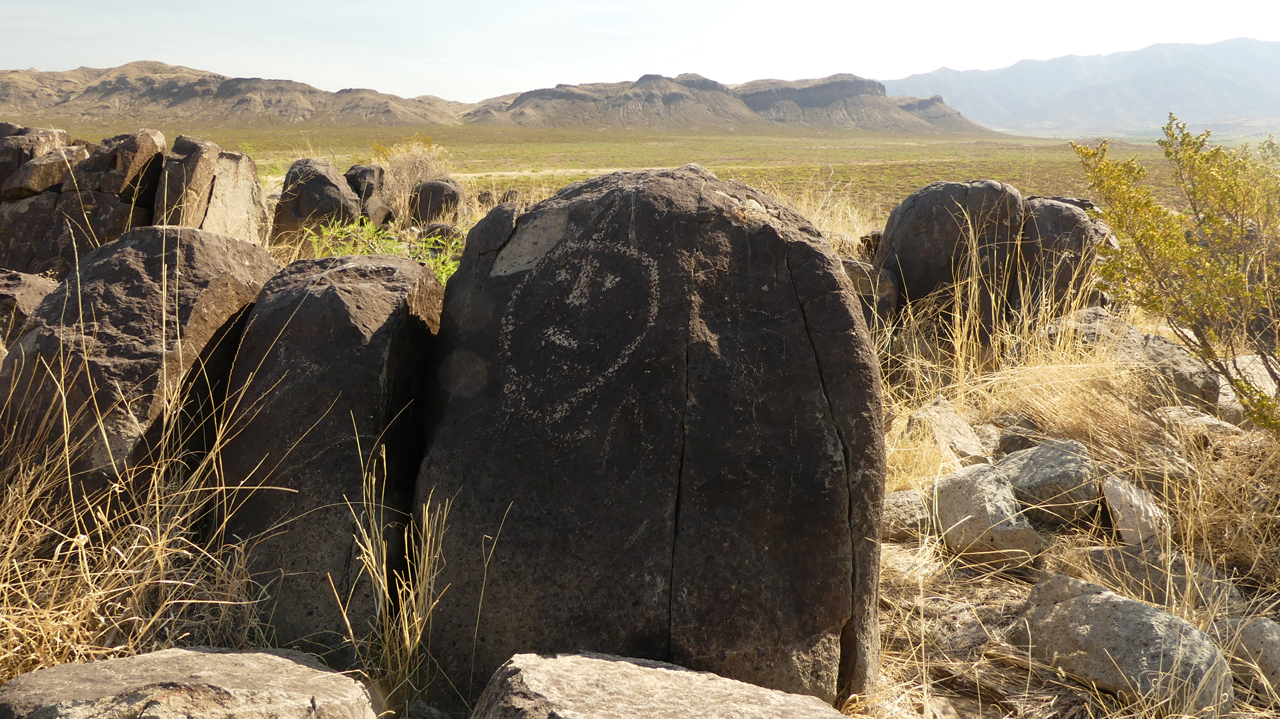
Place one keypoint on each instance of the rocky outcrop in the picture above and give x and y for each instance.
(682, 418)
(314, 194)
(599, 686)
(24, 144)
(1124, 646)
(206, 187)
(329, 375)
(181, 683)
(43, 173)
(141, 318)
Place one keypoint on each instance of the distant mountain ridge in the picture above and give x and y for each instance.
(1231, 87)
(153, 91)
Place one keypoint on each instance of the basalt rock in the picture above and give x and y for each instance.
(329, 374)
(366, 181)
(662, 395)
(26, 144)
(152, 313)
(436, 200)
(205, 187)
(314, 193)
(127, 166)
(43, 173)
(20, 294)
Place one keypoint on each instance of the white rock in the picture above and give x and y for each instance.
(954, 435)
(906, 515)
(1135, 515)
(1254, 646)
(980, 518)
(183, 683)
(599, 686)
(1124, 646)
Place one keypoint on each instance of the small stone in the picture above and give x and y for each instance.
(953, 435)
(1055, 481)
(980, 518)
(1135, 515)
(906, 516)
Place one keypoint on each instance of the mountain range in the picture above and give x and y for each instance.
(156, 92)
(1231, 87)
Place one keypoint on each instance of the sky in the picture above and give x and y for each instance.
(469, 50)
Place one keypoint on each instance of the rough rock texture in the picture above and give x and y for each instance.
(981, 520)
(127, 166)
(906, 516)
(1134, 513)
(127, 328)
(183, 683)
(24, 225)
(205, 187)
(19, 296)
(329, 370)
(1159, 577)
(926, 244)
(26, 144)
(1123, 646)
(437, 199)
(81, 222)
(680, 417)
(237, 205)
(1060, 244)
(1056, 481)
(314, 193)
(1255, 370)
(366, 182)
(1190, 423)
(952, 433)
(599, 686)
(1176, 375)
(876, 289)
(1253, 644)
(186, 182)
(43, 173)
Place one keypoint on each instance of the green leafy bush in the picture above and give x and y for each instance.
(1210, 267)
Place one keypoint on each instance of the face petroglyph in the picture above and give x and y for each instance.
(591, 299)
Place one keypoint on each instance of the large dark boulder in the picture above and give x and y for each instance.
(662, 439)
(207, 187)
(927, 240)
(1060, 244)
(143, 317)
(127, 166)
(314, 193)
(366, 181)
(24, 228)
(329, 374)
(436, 200)
(81, 222)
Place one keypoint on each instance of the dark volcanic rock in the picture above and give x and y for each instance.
(329, 368)
(664, 398)
(24, 230)
(46, 172)
(125, 165)
(366, 182)
(26, 144)
(19, 296)
(436, 199)
(926, 241)
(314, 193)
(1060, 244)
(129, 326)
(81, 222)
(186, 182)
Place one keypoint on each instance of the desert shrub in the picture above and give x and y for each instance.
(409, 164)
(1210, 267)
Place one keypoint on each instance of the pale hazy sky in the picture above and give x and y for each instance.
(472, 49)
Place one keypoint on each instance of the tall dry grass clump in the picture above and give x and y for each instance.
(409, 164)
